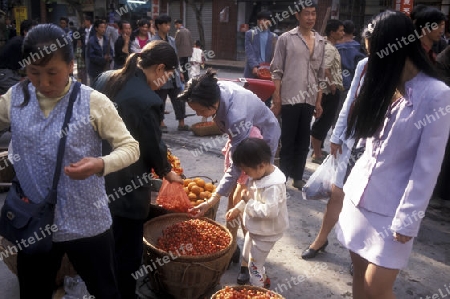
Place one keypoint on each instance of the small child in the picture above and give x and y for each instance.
(197, 60)
(264, 207)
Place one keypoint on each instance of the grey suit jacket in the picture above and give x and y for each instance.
(183, 40)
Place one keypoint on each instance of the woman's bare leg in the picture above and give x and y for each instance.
(359, 271)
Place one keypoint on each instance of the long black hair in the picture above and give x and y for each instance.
(203, 90)
(35, 49)
(384, 70)
(155, 52)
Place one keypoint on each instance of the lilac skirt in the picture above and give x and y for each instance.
(368, 234)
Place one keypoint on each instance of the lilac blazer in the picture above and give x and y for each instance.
(396, 174)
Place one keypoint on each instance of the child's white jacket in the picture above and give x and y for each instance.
(266, 213)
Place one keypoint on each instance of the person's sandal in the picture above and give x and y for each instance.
(184, 128)
(317, 160)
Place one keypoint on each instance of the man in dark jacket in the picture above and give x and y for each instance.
(11, 58)
(100, 52)
(122, 47)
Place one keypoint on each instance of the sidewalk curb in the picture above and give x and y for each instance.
(213, 65)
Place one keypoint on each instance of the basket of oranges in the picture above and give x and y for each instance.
(205, 128)
(185, 257)
(244, 292)
(264, 72)
(198, 191)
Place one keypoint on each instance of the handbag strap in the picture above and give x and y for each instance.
(62, 141)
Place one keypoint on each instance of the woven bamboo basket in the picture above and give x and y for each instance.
(273, 295)
(206, 129)
(66, 268)
(186, 277)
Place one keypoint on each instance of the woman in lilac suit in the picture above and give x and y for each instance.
(401, 113)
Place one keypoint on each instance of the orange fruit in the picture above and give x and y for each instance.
(203, 195)
(186, 189)
(200, 182)
(192, 196)
(199, 202)
(208, 194)
(195, 189)
(191, 184)
(186, 182)
(201, 189)
(209, 187)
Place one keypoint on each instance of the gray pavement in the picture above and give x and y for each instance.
(326, 276)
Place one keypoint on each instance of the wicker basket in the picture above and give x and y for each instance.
(66, 268)
(206, 129)
(248, 287)
(185, 277)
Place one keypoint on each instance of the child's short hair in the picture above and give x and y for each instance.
(197, 43)
(251, 152)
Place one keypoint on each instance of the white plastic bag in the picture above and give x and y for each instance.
(319, 183)
(75, 288)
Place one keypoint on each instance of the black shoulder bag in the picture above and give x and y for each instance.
(29, 226)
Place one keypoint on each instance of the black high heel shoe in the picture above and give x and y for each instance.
(311, 253)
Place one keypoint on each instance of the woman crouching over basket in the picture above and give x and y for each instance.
(263, 205)
(36, 109)
(236, 111)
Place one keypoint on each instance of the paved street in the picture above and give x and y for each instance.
(327, 276)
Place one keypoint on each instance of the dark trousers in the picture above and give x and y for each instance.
(295, 128)
(93, 258)
(129, 249)
(321, 126)
(342, 98)
(442, 188)
(183, 63)
(179, 106)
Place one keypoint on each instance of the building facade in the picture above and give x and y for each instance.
(224, 22)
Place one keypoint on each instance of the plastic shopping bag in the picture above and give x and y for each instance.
(172, 197)
(319, 183)
(75, 288)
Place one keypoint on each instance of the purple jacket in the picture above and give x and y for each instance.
(240, 110)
